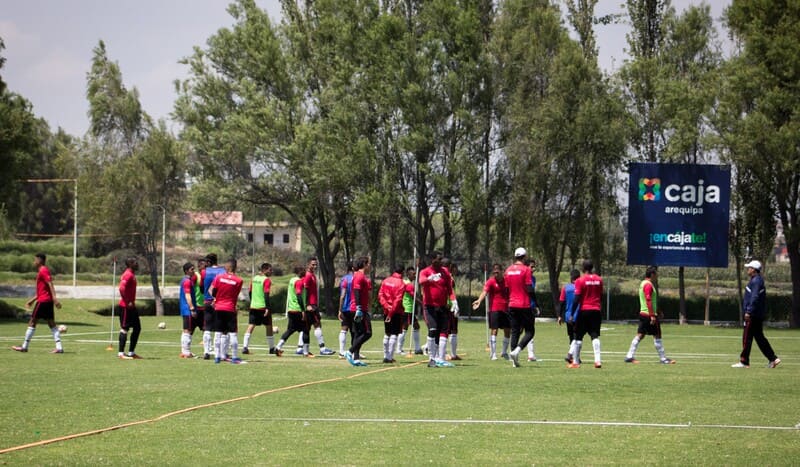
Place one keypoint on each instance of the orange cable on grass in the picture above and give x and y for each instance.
(191, 409)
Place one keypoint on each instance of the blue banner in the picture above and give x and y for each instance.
(678, 214)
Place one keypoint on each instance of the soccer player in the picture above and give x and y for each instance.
(312, 307)
(755, 308)
(345, 317)
(452, 302)
(296, 319)
(566, 312)
(359, 306)
(390, 296)
(588, 297)
(225, 289)
(534, 308)
(497, 292)
(437, 286)
(128, 316)
(649, 318)
(260, 312)
(45, 301)
(199, 296)
(518, 278)
(210, 272)
(410, 308)
(188, 307)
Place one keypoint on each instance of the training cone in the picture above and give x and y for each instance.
(110, 347)
(409, 354)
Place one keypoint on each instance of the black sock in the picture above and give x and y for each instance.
(134, 339)
(122, 337)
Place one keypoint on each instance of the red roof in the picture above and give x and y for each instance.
(216, 218)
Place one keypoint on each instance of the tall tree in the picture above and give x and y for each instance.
(758, 114)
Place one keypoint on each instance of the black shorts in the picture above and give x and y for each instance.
(208, 317)
(394, 325)
(499, 320)
(191, 323)
(438, 319)
(295, 323)
(225, 322)
(129, 318)
(648, 329)
(43, 310)
(257, 317)
(347, 319)
(588, 322)
(313, 317)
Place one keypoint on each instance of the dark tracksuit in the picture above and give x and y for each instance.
(755, 303)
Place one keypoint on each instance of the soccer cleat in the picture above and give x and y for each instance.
(505, 356)
(418, 352)
(135, 356)
(341, 356)
(19, 349)
(326, 351)
(206, 356)
(668, 361)
(531, 359)
(298, 351)
(236, 361)
(574, 365)
(189, 355)
(217, 360)
(57, 351)
(443, 364)
(454, 357)
(349, 357)
(431, 364)
(308, 355)
(278, 352)
(632, 360)
(740, 365)
(272, 351)
(774, 363)
(246, 351)
(598, 365)
(493, 357)
(358, 363)
(514, 359)
(386, 360)
(568, 358)
(124, 357)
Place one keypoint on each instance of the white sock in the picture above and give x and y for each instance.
(660, 349)
(320, 338)
(634, 346)
(342, 341)
(531, 353)
(401, 339)
(516, 351)
(271, 341)
(28, 336)
(454, 343)
(207, 342)
(305, 349)
(506, 343)
(385, 347)
(186, 342)
(300, 340)
(280, 344)
(596, 348)
(392, 344)
(233, 338)
(218, 344)
(431, 351)
(56, 337)
(442, 347)
(246, 339)
(492, 346)
(415, 337)
(576, 355)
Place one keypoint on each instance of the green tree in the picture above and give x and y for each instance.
(758, 119)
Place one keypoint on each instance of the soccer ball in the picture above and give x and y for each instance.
(275, 330)
(162, 325)
(62, 328)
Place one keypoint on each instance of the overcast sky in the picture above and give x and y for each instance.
(49, 47)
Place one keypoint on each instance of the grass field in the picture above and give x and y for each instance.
(321, 411)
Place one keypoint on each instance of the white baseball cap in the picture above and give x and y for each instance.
(520, 252)
(754, 264)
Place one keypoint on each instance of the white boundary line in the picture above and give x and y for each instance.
(525, 422)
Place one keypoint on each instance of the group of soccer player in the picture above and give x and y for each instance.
(208, 296)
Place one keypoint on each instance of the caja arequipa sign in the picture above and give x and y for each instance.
(678, 214)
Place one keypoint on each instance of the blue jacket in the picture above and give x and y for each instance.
(755, 297)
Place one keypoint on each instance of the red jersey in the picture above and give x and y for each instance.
(518, 280)
(590, 288)
(364, 286)
(437, 285)
(127, 288)
(391, 294)
(227, 287)
(310, 284)
(43, 281)
(498, 295)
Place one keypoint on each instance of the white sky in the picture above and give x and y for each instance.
(49, 47)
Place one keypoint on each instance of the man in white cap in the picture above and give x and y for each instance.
(755, 307)
(520, 292)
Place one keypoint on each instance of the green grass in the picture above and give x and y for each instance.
(487, 406)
